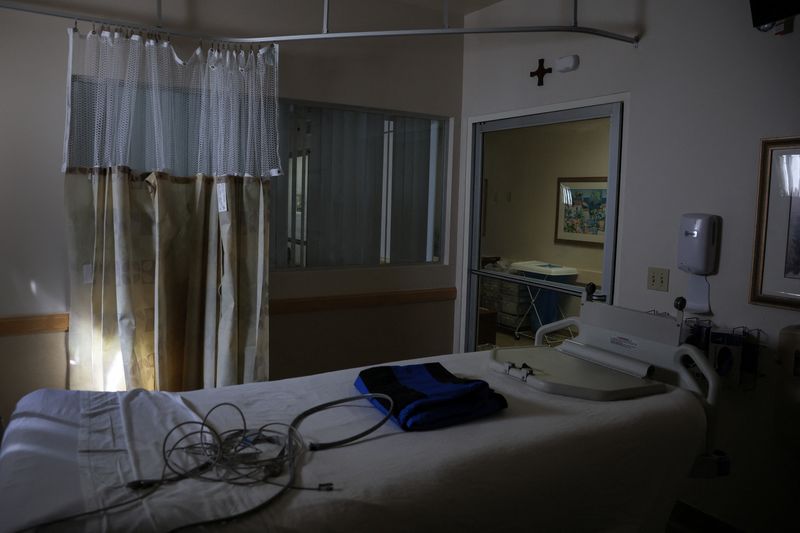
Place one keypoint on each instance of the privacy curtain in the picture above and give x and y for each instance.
(167, 186)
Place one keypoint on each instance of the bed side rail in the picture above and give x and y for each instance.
(538, 339)
(688, 353)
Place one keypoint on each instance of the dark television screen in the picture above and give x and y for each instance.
(766, 11)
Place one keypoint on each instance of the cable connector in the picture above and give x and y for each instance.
(272, 469)
(141, 484)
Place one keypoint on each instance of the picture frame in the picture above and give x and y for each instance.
(581, 207)
(775, 278)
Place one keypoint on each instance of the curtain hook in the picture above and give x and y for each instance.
(75, 26)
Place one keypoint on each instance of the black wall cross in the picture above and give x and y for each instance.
(541, 72)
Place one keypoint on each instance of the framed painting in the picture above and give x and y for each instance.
(776, 255)
(581, 211)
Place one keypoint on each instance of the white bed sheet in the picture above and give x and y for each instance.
(549, 463)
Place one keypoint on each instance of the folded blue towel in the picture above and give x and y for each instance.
(427, 396)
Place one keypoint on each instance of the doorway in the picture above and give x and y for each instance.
(543, 221)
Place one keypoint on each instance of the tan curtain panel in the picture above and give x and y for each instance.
(168, 280)
(168, 164)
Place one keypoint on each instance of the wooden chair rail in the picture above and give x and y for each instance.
(59, 322)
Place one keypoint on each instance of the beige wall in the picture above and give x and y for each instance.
(702, 89)
(30, 362)
(521, 169)
(420, 75)
(360, 337)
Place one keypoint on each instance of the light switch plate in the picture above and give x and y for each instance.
(658, 279)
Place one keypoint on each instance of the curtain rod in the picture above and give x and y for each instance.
(575, 28)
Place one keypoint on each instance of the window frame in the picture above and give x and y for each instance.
(611, 110)
(438, 191)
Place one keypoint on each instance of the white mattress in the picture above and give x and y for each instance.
(546, 463)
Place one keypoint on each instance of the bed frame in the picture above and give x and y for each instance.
(547, 462)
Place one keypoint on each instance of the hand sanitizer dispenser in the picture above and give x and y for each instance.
(698, 243)
(698, 251)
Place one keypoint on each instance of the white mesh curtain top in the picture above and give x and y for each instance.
(135, 103)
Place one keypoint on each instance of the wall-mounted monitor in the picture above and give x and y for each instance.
(769, 11)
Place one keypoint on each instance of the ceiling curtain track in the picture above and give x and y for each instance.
(325, 33)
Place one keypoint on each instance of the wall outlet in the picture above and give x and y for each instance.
(658, 279)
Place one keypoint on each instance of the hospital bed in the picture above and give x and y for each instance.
(568, 454)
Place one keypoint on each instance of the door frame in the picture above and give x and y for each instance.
(470, 193)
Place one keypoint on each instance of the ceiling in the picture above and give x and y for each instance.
(458, 7)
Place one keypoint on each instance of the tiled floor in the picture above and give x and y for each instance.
(507, 339)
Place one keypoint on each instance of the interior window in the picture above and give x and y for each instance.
(362, 188)
(544, 218)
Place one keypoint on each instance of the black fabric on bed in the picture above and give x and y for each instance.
(427, 396)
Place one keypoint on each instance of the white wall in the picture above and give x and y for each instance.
(703, 88)
(33, 277)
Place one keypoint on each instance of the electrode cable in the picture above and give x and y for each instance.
(233, 456)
